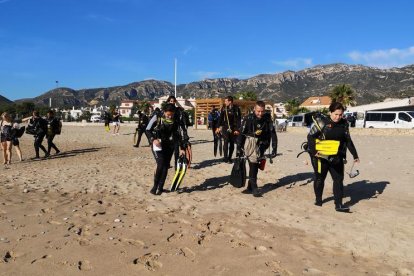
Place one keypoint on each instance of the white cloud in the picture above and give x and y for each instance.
(205, 74)
(187, 50)
(295, 63)
(384, 58)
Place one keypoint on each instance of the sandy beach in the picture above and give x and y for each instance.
(89, 210)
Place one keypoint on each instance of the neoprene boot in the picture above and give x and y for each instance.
(248, 190)
(341, 208)
(153, 190)
(318, 201)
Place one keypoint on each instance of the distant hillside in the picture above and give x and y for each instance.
(370, 84)
(4, 100)
(149, 89)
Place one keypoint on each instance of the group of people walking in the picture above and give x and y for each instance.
(252, 136)
(37, 126)
(327, 141)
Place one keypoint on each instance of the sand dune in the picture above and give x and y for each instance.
(89, 209)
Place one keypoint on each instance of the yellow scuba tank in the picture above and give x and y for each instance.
(327, 147)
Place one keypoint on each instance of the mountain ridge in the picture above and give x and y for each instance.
(370, 84)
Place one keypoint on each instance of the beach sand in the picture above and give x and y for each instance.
(89, 210)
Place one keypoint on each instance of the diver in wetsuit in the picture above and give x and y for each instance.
(229, 127)
(164, 137)
(142, 125)
(180, 120)
(331, 129)
(213, 117)
(256, 133)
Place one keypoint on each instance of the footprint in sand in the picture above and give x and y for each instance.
(238, 243)
(84, 265)
(42, 258)
(188, 253)
(9, 256)
(312, 271)
(277, 268)
(149, 261)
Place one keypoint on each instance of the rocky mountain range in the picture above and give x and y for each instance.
(4, 100)
(370, 85)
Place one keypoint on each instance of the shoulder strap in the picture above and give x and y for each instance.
(227, 117)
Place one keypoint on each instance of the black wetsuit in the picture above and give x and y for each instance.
(40, 126)
(229, 121)
(170, 135)
(6, 132)
(335, 163)
(116, 117)
(180, 120)
(142, 125)
(107, 119)
(52, 130)
(264, 131)
(213, 119)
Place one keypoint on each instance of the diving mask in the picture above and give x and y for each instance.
(353, 173)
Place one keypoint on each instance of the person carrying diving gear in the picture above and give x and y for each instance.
(256, 133)
(163, 137)
(328, 140)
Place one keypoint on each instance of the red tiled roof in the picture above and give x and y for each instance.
(317, 101)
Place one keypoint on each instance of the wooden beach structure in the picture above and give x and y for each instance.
(203, 107)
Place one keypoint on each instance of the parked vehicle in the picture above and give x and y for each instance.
(296, 120)
(95, 118)
(389, 119)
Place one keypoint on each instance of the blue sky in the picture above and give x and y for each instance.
(100, 43)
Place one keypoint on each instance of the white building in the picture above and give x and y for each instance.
(387, 103)
(126, 107)
(279, 110)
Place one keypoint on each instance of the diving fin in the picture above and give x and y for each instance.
(135, 138)
(220, 146)
(177, 174)
(182, 173)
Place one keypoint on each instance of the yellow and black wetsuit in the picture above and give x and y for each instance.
(334, 163)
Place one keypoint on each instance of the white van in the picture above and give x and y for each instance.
(389, 119)
(95, 118)
(296, 120)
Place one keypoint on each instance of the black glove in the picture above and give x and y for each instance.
(274, 153)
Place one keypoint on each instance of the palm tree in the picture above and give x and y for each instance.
(246, 95)
(344, 94)
(292, 105)
(145, 105)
